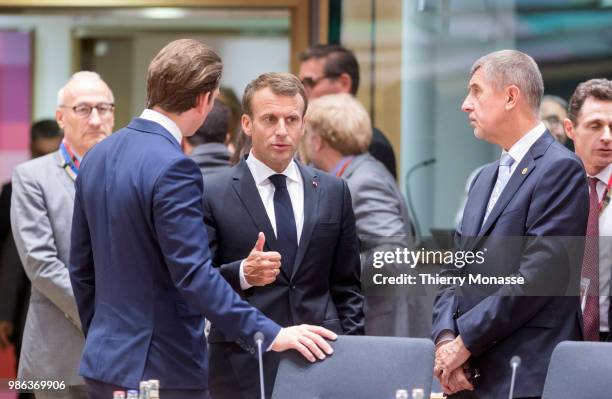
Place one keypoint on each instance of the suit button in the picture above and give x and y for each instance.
(292, 287)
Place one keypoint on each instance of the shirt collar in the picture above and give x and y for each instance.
(261, 171)
(164, 121)
(520, 148)
(604, 175)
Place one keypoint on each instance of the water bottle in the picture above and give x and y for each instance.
(401, 394)
(418, 393)
(143, 390)
(153, 389)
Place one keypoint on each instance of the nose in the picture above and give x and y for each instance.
(607, 134)
(467, 105)
(94, 118)
(281, 128)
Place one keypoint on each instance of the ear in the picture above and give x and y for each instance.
(512, 96)
(203, 101)
(317, 142)
(247, 124)
(345, 82)
(569, 128)
(59, 117)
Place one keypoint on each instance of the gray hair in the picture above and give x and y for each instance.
(512, 67)
(81, 75)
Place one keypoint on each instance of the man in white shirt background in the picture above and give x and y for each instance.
(589, 124)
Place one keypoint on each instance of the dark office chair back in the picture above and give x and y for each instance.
(361, 367)
(579, 370)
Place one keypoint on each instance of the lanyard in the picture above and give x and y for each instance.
(71, 162)
(343, 168)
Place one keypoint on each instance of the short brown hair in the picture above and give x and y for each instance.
(342, 122)
(281, 84)
(183, 70)
(599, 89)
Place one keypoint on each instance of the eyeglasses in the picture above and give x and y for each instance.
(310, 83)
(84, 110)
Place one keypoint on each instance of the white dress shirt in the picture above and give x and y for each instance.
(605, 249)
(164, 121)
(295, 186)
(520, 148)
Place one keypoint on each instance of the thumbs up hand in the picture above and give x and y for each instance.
(261, 267)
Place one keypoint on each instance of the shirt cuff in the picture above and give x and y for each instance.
(444, 337)
(243, 282)
(269, 348)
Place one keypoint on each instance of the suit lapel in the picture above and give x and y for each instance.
(65, 178)
(311, 212)
(477, 201)
(244, 186)
(522, 171)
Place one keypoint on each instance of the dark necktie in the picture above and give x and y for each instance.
(286, 233)
(590, 266)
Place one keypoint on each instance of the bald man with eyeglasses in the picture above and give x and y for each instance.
(41, 218)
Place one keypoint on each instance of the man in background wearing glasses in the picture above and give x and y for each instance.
(41, 219)
(332, 69)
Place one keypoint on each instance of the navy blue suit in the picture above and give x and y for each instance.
(140, 265)
(323, 287)
(546, 197)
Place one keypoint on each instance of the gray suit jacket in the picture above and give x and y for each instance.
(383, 223)
(41, 220)
(211, 157)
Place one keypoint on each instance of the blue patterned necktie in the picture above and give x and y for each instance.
(286, 233)
(503, 175)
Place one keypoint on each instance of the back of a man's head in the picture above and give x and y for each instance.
(338, 60)
(215, 127)
(45, 136)
(183, 70)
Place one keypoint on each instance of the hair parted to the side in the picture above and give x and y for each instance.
(341, 121)
(512, 67)
(599, 89)
(281, 84)
(183, 70)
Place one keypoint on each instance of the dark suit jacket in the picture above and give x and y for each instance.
(141, 269)
(211, 157)
(545, 199)
(381, 149)
(324, 288)
(14, 284)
